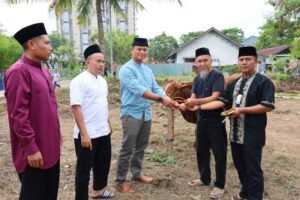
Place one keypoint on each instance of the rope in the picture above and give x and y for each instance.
(178, 99)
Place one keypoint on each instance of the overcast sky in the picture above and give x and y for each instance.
(15, 17)
(160, 16)
(200, 15)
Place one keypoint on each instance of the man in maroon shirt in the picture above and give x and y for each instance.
(33, 117)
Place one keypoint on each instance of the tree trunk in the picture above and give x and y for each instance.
(99, 9)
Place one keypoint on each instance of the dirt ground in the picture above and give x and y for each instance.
(281, 157)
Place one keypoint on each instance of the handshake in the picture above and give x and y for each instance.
(170, 103)
(188, 104)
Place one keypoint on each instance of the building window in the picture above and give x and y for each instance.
(189, 60)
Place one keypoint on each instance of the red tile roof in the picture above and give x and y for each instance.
(273, 50)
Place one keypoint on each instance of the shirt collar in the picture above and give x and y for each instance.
(246, 77)
(31, 62)
(135, 64)
(91, 75)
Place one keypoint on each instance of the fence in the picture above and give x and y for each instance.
(171, 69)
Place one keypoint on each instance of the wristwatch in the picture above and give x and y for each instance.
(159, 100)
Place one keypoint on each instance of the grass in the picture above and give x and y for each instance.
(273, 162)
(291, 176)
(161, 158)
(287, 95)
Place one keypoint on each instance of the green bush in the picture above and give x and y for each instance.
(282, 77)
(280, 65)
(68, 73)
(230, 69)
(10, 52)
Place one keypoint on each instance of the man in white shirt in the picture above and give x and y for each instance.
(92, 129)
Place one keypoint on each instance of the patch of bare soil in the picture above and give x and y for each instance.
(281, 157)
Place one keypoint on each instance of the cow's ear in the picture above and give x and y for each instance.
(174, 83)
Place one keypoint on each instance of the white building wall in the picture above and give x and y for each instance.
(222, 51)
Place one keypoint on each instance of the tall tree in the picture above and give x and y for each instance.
(234, 33)
(10, 51)
(63, 52)
(295, 50)
(121, 46)
(161, 46)
(184, 38)
(282, 26)
(84, 8)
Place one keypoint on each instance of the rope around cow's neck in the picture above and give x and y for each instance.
(178, 99)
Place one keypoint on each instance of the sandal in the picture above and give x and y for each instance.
(104, 195)
(196, 182)
(237, 197)
(216, 193)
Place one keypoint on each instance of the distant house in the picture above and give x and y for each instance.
(278, 52)
(250, 41)
(224, 50)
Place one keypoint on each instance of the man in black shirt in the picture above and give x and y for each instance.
(251, 96)
(211, 133)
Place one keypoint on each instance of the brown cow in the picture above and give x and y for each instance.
(182, 91)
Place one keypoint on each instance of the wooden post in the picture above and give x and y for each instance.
(171, 133)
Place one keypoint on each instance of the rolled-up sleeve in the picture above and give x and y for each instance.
(18, 96)
(129, 80)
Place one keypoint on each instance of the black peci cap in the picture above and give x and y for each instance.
(30, 32)
(247, 51)
(202, 51)
(140, 42)
(91, 50)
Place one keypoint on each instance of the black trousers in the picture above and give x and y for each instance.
(247, 161)
(37, 184)
(97, 159)
(213, 137)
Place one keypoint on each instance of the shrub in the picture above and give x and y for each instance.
(230, 69)
(282, 76)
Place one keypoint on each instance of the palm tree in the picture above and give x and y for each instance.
(84, 7)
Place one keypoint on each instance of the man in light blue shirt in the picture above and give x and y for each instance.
(138, 88)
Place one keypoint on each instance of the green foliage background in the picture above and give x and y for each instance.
(10, 52)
